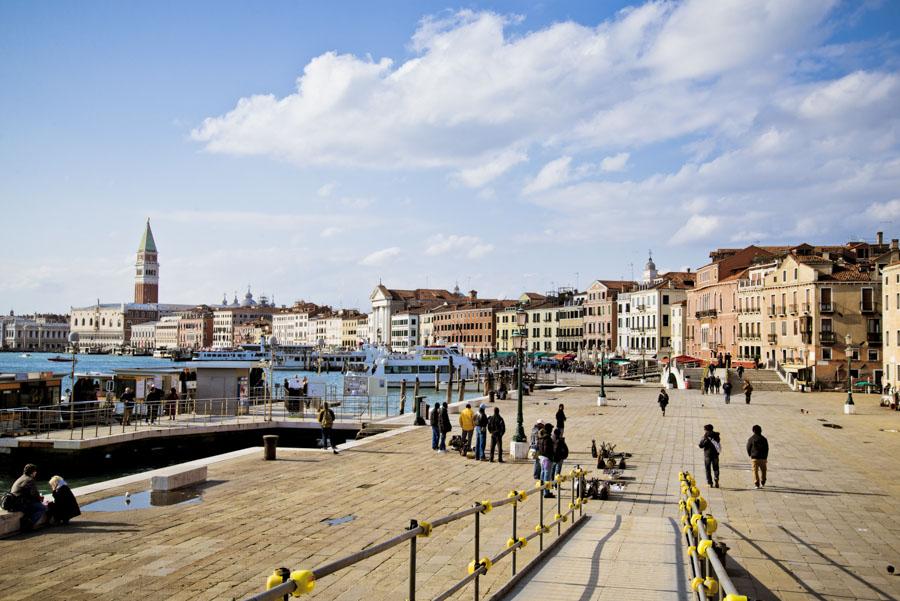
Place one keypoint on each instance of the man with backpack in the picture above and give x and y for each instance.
(496, 428)
(326, 420)
(711, 444)
(560, 452)
(30, 501)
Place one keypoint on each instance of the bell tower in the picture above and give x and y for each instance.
(146, 278)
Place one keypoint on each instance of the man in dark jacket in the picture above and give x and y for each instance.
(663, 400)
(546, 453)
(127, 399)
(561, 418)
(25, 488)
(712, 447)
(153, 401)
(436, 427)
(496, 428)
(758, 450)
(446, 427)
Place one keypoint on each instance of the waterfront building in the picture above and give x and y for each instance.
(712, 307)
(647, 313)
(167, 332)
(570, 338)
(470, 323)
(505, 323)
(601, 314)
(354, 329)
(750, 311)
(291, 325)
(195, 328)
(891, 317)
(405, 329)
(143, 336)
(226, 319)
(146, 279)
(386, 302)
(814, 298)
(623, 323)
(253, 331)
(107, 326)
(39, 333)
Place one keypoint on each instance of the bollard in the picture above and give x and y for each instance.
(270, 444)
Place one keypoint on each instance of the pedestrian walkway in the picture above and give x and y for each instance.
(612, 557)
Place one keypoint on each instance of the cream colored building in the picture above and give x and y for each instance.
(678, 328)
(891, 318)
(167, 332)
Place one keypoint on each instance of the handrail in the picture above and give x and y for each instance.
(706, 566)
(298, 582)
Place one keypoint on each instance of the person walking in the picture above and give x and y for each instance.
(728, 360)
(758, 450)
(561, 418)
(171, 402)
(740, 372)
(663, 400)
(726, 388)
(560, 452)
(467, 424)
(748, 390)
(481, 419)
(435, 420)
(545, 455)
(496, 428)
(711, 443)
(127, 399)
(326, 420)
(718, 384)
(446, 426)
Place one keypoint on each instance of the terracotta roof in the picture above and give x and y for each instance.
(422, 294)
(849, 273)
(534, 295)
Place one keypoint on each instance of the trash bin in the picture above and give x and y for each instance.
(270, 444)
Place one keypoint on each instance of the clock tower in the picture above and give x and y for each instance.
(146, 278)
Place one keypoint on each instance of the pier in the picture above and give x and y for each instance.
(824, 527)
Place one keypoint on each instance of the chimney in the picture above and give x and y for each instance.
(688, 269)
(894, 244)
(879, 238)
(473, 294)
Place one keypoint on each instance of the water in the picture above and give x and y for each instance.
(146, 499)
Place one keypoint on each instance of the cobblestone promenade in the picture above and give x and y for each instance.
(823, 528)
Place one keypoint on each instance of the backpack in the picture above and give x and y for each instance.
(10, 502)
(716, 445)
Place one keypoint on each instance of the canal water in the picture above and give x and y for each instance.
(136, 460)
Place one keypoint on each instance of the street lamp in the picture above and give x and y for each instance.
(601, 396)
(849, 405)
(519, 445)
(73, 340)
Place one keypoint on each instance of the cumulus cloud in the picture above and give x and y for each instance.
(615, 163)
(698, 227)
(380, 257)
(476, 177)
(884, 211)
(472, 246)
(551, 175)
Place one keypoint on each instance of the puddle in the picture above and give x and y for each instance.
(835, 426)
(340, 520)
(144, 500)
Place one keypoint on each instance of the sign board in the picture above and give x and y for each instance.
(139, 388)
(110, 386)
(191, 384)
(356, 385)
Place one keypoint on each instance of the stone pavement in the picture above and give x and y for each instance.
(824, 528)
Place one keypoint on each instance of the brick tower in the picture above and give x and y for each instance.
(146, 279)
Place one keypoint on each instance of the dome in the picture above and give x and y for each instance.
(235, 302)
(650, 264)
(248, 299)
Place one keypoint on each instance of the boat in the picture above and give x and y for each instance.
(25, 355)
(422, 362)
(246, 352)
(59, 359)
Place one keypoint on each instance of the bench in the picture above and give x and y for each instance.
(178, 477)
(11, 522)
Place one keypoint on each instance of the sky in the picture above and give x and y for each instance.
(311, 150)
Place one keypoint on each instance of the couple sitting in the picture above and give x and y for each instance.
(60, 510)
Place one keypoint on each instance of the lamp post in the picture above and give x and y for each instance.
(518, 448)
(849, 405)
(601, 397)
(73, 340)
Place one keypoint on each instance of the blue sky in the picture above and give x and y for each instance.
(311, 149)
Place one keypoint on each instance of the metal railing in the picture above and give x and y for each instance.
(285, 582)
(92, 419)
(710, 579)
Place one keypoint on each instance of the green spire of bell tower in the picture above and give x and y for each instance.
(147, 242)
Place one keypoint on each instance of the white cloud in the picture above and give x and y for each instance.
(380, 257)
(330, 232)
(325, 190)
(551, 175)
(615, 162)
(698, 227)
(475, 177)
(884, 211)
(472, 246)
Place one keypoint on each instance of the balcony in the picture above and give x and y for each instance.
(805, 307)
(773, 338)
(792, 308)
(827, 337)
(782, 311)
(772, 312)
(873, 338)
(826, 308)
(706, 313)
